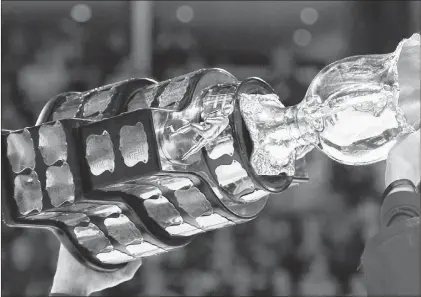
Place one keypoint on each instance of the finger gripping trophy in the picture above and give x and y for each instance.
(138, 168)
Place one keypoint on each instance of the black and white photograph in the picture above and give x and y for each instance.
(210, 148)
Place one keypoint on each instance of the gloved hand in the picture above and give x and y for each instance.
(404, 160)
(73, 278)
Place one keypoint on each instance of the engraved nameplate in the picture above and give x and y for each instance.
(59, 184)
(99, 153)
(52, 143)
(69, 108)
(143, 98)
(98, 103)
(92, 238)
(72, 219)
(20, 151)
(163, 212)
(114, 257)
(27, 193)
(134, 144)
(173, 92)
(123, 230)
(193, 202)
(144, 249)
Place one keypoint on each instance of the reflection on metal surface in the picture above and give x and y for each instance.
(114, 257)
(176, 145)
(140, 191)
(69, 108)
(163, 212)
(174, 91)
(233, 178)
(98, 103)
(221, 146)
(144, 249)
(43, 216)
(92, 238)
(256, 195)
(193, 202)
(72, 218)
(104, 211)
(213, 221)
(176, 183)
(52, 143)
(183, 229)
(144, 192)
(27, 193)
(20, 151)
(123, 230)
(78, 207)
(143, 98)
(59, 184)
(99, 153)
(134, 144)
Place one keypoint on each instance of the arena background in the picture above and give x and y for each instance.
(308, 240)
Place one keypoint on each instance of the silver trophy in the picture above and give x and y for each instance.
(138, 168)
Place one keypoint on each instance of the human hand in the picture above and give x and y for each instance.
(75, 279)
(404, 160)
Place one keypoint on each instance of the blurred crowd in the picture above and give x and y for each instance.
(307, 241)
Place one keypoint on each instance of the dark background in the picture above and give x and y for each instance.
(309, 239)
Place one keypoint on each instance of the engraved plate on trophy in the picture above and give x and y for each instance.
(163, 212)
(173, 92)
(144, 249)
(123, 230)
(69, 108)
(27, 193)
(72, 219)
(100, 153)
(21, 151)
(60, 185)
(143, 98)
(103, 211)
(43, 216)
(97, 103)
(193, 202)
(92, 238)
(134, 144)
(114, 257)
(52, 143)
(213, 221)
(176, 183)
